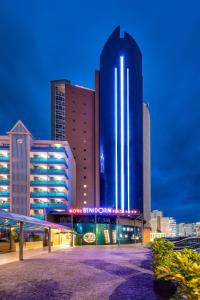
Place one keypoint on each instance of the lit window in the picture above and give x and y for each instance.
(85, 185)
(84, 194)
(84, 202)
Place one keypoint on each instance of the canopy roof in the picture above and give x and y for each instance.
(11, 219)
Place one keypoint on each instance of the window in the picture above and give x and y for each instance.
(84, 177)
(84, 150)
(84, 158)
(84, 194)
(85, 185)
(84, 168)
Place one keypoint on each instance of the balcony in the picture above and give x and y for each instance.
(49, 194)
(4, 182)
(48, 171)
(4, 147)
(47, 182)
(4, 170)
(4, 194)
(49, 149)
(49, 160)
(4, 205)
(4, 158)
(41, 217)
(48, 205)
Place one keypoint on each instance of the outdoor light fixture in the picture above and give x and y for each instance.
(122, 127)
(116, 152)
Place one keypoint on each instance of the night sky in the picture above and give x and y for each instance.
(45, 40)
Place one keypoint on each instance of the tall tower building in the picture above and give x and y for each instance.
(73, 118)
(108, 129)
(121, 125)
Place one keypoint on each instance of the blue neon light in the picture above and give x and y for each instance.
(116, 154)
(128, 141)
(122, 128)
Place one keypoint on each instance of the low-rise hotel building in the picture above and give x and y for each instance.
(36, 176)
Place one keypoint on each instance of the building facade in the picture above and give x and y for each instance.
(108, 130)
(35, 176)
(73, 119)
(187, 229)
(146, 165)
(121, 115)
(161, 224)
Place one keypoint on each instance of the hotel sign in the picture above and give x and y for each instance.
(102, 210)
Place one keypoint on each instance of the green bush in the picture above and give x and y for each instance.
(180, 266)
(162, 253)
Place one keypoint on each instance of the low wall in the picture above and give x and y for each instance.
(7, 247)
(31, 245)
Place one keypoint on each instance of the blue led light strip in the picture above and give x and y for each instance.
(122, 127)
(128, 140)
(116, 154)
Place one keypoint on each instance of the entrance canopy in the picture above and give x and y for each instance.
(21, 223)
(11, 219)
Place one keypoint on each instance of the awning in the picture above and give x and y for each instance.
(11, 219)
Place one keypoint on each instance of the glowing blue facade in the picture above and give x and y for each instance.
(121, 134)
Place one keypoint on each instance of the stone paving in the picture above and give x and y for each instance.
(87, 273)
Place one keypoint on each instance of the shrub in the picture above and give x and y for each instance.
(180, 266)
(162, 253)
(184, 269)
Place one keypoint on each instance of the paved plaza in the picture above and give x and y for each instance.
(86, 273)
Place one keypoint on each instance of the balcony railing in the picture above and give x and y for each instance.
(41, 217)
(4, 158)
(48, 205)
(4, 170)
(4, 182)
(48, 182)
(48, 149)
(48, 160)
(6, 194)
(4, 205)
(49, 194)
(48, 171)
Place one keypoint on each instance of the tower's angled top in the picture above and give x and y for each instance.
(125, 40)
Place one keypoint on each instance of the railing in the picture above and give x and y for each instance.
(4, 170)
(5, 194)
(4, 158)
(49, 194)
(48, 205)
(48, 160)
(48, 182)
(47, 171)
(4, 182)
(48, 149)
(4, 205)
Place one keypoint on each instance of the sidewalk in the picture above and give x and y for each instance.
(10, 257)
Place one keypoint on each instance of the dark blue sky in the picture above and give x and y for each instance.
(45, 40)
